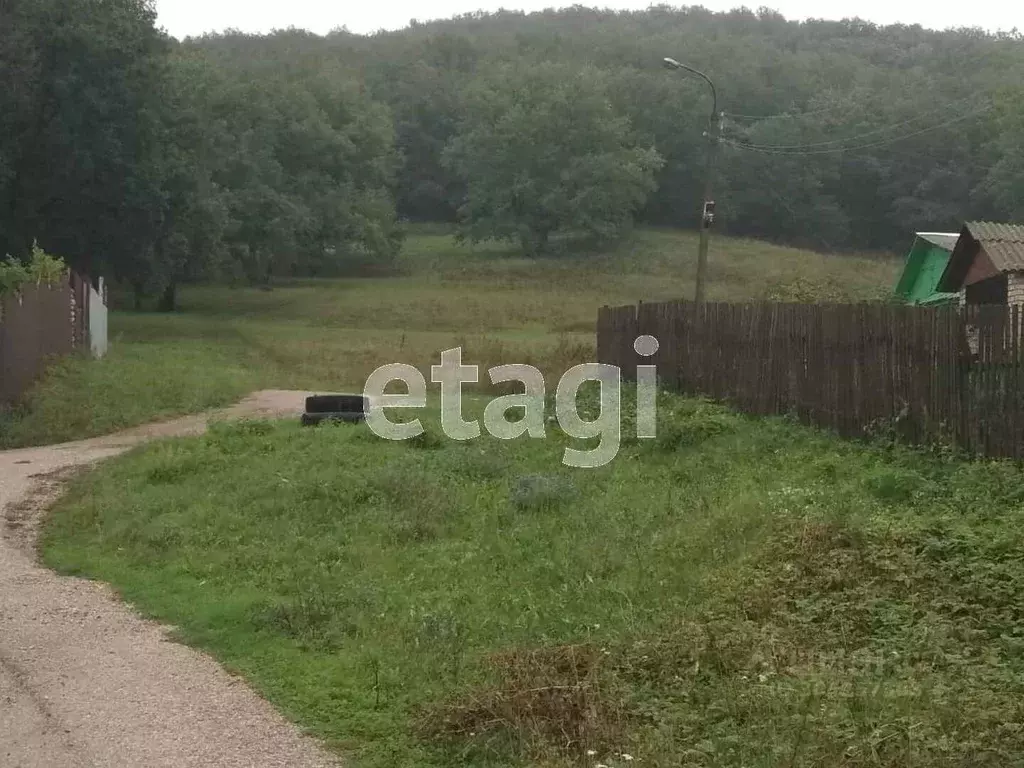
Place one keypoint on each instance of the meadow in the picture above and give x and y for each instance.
(734, 592)
(330, 334)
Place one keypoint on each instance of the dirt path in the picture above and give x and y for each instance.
(86, 682)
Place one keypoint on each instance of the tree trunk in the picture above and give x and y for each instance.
(169, 298)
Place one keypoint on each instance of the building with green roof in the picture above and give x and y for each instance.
(926, 263)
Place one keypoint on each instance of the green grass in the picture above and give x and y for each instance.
(734, 593)
(330, 334)
(136, 383)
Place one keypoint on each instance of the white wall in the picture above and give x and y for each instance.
(98, 320)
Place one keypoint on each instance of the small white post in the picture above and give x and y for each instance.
(98, 319)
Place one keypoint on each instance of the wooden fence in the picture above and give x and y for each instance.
(942, 373)
(37, 324)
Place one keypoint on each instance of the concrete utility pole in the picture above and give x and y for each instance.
(708, 209)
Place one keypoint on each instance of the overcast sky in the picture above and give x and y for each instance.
(194, 17)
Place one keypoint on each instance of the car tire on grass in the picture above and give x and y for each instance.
(341, 403)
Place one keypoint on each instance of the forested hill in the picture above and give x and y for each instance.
(155, 161)
(812, 87)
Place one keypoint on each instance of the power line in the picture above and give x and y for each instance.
(789, 115)
(873, 132)
(809, 149)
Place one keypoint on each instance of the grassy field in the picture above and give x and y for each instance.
(330, 334)
(736, 592)
(733, 593)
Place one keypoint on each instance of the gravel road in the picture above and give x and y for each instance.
(84, 681)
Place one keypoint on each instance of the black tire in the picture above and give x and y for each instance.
(312, 419)
(336, 404)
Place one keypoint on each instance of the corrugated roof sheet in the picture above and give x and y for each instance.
(1004, 243)
(944, 240)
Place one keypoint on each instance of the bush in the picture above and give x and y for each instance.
(13, 275)
(41, 269)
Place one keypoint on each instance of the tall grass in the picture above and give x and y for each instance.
(330, 334)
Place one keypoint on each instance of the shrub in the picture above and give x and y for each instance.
(13, 275)
(42, 268)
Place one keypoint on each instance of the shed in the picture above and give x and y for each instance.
(925, 264)
(987, 264)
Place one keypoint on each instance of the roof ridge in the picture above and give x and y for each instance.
(998, 232)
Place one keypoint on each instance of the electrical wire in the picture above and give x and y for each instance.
(811, 149)
(873, 132)
(789, 115)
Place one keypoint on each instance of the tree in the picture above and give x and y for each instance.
(252, 156)
(189, 241)
(780, 82)
(78, 151)
(542, 152)
(155, 162)
(787, 197)
(426, 103)
(306, 175)
(1004, 183)
(425, 97)
(284, 171)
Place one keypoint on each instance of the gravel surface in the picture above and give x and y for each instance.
(84, 681)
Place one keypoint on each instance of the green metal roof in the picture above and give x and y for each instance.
(926, 262)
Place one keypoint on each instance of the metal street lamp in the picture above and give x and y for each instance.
(708, 209)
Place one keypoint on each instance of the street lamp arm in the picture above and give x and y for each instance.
(714, 93)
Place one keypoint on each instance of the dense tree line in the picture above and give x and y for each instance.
(132, 155)
(158, 161)
(932, 122)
